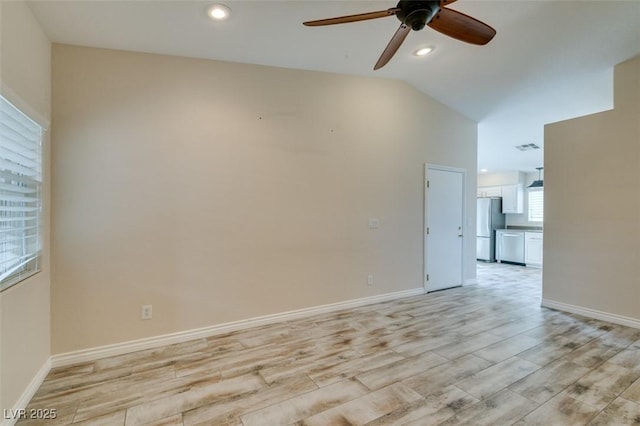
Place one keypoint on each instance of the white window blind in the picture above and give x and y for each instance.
(20, 195)
(536, 205)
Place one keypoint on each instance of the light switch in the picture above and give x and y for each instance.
(374, 223)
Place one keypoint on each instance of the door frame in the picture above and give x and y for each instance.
(431, 166)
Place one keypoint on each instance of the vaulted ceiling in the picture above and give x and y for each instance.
(550, 60)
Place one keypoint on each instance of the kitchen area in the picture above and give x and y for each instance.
(510, 218)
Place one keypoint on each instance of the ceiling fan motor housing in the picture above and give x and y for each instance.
(417, 14)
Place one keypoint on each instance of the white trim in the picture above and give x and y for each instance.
(445, 168)
(28, 393)
(592, 313)
(92, 354)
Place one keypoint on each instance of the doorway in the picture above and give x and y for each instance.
(443, 222)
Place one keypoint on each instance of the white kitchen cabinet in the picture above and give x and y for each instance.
(512, 196)
(533, 248)
(490, 191)
(512, 199)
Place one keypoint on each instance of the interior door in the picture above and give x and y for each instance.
(444, 213)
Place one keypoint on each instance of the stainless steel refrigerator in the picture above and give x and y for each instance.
(490, 218)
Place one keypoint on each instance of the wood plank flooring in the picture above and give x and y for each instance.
(486, 354)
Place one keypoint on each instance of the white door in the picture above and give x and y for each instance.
(444, 213)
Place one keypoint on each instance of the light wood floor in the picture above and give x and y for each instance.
(481, 355)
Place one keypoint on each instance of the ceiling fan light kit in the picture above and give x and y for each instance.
(415, 15)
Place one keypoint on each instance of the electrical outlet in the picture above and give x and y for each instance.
(146, 312)
(369, 280)
(374, 223)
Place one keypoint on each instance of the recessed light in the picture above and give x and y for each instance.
(423, 51)
(219, 12)
(484, 170)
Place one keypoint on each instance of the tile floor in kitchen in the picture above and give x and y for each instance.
(485, 354)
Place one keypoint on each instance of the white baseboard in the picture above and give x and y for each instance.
(28, 393)
(592, 313)
(471, 281)
(91, 354)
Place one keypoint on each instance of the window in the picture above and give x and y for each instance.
(536, 205)
(20, 195)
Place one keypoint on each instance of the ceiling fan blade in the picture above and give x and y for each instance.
(393, 46)
(462, 27)
(353, 18)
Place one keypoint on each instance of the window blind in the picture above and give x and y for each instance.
(536, 205)
(20, 195)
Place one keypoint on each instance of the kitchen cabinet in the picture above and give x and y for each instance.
(512, 196)
(510, 246)
(490, 191)
(533, 248)
(512, 199)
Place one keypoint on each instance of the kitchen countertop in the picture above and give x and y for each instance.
(524, 228)
(520, 230)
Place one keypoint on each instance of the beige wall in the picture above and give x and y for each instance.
(592, 205)
(24, 308)
(218, 192)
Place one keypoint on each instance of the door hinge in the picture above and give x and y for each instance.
(427, 184)
(427, 277)
(427, 231)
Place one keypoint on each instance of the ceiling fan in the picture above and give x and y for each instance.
(414, 15)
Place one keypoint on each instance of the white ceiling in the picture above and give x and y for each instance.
(548, 62)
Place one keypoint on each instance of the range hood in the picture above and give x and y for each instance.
(537, 183)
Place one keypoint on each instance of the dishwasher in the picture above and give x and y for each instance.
(510, 246)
